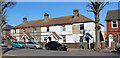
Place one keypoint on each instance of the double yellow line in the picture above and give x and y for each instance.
(9, 55)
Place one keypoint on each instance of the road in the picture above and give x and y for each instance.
(70, 52)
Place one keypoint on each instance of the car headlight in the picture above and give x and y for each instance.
(21, 45)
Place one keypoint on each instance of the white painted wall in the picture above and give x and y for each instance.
(88, 27)
(43, 29)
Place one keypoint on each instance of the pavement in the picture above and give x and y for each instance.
(6, 49)
(69, 52)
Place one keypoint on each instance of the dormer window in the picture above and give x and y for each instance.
(114, 24)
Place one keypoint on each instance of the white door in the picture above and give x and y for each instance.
(110, 39)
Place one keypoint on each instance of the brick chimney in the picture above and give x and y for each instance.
(24, 20)
(76, 13)
(46, 17)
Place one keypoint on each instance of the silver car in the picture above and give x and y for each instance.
(3, 44)
(33, 45)
(118, 46)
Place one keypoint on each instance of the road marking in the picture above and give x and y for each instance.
(9, 55)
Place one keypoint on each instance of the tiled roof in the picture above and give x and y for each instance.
(56, 35)
(28, 34)
(7, 28)
(113, 15)
(54, 21)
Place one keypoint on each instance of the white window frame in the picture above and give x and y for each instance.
(83, 26)
(116, 23)
(63, 28)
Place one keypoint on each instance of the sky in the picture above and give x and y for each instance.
(36, 10)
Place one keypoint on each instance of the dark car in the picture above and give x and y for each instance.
(54, 45)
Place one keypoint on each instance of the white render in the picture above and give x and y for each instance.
(89, 27)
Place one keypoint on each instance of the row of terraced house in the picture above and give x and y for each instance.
(67, 29)
(71, 30)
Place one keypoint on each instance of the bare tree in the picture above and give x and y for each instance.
(4, 5)
(96, 6)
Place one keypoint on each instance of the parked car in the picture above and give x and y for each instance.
(33, 45)
(3, 44)
(17, 44)
(118, 46)
(54, 45)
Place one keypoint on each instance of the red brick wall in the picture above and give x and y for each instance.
(109, 26)
(111, 30)
(70, 45)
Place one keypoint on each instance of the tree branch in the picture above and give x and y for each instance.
(104, 5)
(92, 8)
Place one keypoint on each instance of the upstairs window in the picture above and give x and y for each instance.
(35, 29)
(15, 30)
(47, 29)
(23, 30)
(63, 28)
(82, 27)
(114, 24)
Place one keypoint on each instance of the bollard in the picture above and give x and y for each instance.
(103, 45)
(85, 44)
(112, 45)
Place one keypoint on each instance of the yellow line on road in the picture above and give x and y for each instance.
(9, 55)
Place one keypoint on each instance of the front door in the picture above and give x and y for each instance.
(87, 39)
(110, 39)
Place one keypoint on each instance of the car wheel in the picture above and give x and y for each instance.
(26, 47)
(119, 49)
(58, 48)
(65, 49)
(35, 47)
(47, 48)
(12, 47)
(19, 46)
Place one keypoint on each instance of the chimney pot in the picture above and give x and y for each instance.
(76, 13)
(46, 17)
(24, 20)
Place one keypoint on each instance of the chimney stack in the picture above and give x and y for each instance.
(24, 20)
(76, 13)
(46, 17)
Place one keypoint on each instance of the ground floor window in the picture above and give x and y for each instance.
(36, 39)
(64, 39)
(45, 38)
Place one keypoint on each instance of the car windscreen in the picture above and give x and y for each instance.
(34, 43)
(19, 42)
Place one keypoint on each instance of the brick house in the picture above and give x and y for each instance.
(6, 32)
(113, 26)
(69, 30)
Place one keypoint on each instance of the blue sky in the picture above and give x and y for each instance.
(36, 10)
